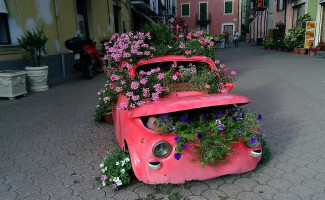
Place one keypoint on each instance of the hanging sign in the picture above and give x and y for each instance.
(310, 34)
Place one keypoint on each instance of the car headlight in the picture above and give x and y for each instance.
(161, 149)
(253, 142)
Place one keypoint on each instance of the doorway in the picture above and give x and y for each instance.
(117, 14)
(230, 30)
(82, 19)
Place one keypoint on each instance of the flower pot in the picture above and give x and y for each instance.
(284, 48)
(302, 51)
(181, 87)
(12, 83)
(312, 53)
(322, 48)
(37, 77)
(279, 49)
(296, 50)
(109, 117)
(292, 51)
(269, 47)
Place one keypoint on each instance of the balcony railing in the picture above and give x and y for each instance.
(203, 20)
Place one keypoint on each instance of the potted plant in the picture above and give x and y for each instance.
(321, 46)
(33, 43)
(313, 50)
(268, 44)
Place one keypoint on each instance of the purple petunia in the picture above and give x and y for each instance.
(161, 122)
(189, 121)
(234, 118)
(204, 117)
(199, 136)
(182, 119)
(252, 140)
(219, 114)
(164, 116)
(177, 139)
(174, 128)
(259, 117)
(221, 127)
(240, 114)
(212, 130)
(177, 156)
(238, 132)
(183, 146)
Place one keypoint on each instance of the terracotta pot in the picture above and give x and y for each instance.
(295, 50)
(292, 52)
(322, 48)
(302, 51)
(312, 53)
(181, 87)
(109, 117)
(279, 49)
(269, 47)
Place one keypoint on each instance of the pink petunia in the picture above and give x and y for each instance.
(143, 81)
(161, 76)
(135, 85)
(129, 94)
(217, 61)
(104, 177)
(118, 89)
(111, 86)
(114, 186)
(135, 98)
(123, 82)
(174, 77)
(207, 86)
(233, 72)
(188, 52)
(222, 65)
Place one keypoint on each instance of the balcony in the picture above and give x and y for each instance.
(143, 6)
(203, 20)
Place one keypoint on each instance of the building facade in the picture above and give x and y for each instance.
(211, 15)
(61, 20)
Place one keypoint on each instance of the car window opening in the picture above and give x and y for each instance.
(148, 121)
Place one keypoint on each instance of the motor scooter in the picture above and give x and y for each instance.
(87, 58)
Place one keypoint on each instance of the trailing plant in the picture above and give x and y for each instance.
(210, 134)
(116, 169)
(103, 107)
(267, 152)
(33, 43)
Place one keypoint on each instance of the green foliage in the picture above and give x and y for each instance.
(266, 152)
(268, 42)
(160, 35)
(212, 132)
(301, 21)
(296, 37)
(102, 108)
(116, 169)
(33, 43)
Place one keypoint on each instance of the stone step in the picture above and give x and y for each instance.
(320, 54)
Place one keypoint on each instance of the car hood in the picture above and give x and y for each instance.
(185, 101)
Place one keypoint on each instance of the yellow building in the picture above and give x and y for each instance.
(61, 19)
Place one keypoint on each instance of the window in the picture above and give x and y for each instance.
(280, 5)
(185, 9)
(228, 7)
(4, 27)
(203, 11)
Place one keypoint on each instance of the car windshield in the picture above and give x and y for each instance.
(166, 66)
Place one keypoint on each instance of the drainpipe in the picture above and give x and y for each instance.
(59, 36)
(239, 16)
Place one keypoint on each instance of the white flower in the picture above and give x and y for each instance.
(103, 170)
(117, 163)
(122, 163)
(127, 159)
(122, 171)
(110, 180)
(103, 183)
(101, 165)
(119, 182)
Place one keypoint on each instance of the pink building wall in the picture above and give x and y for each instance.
(278, 16)
(218, 18)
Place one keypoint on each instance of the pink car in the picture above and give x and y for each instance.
(152, 154)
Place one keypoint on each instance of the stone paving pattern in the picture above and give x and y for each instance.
(50, 148)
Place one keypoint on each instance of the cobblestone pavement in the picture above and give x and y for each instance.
(50, 148)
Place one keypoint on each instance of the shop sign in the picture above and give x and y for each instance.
(310, 34)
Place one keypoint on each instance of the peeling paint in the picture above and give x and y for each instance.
(44, 12)
(30, 24)
(57, 45)
(15, 30)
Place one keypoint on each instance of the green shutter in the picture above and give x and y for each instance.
(185, 10)
(203, 11)
(228, 7)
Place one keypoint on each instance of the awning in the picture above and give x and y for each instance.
(3, 8)
(144, 15)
